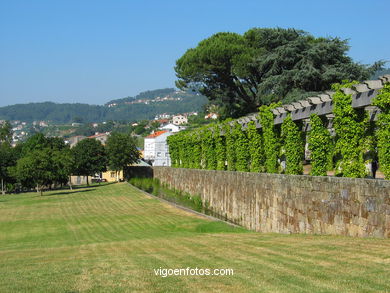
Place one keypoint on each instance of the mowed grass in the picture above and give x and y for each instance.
(110, 238)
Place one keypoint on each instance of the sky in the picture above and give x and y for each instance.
(94, 51)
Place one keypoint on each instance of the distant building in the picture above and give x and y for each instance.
(179, 119)
(211, 116)
(156, 148)
(102, 137)
(162, 116)
(173, 128)
(72, 141)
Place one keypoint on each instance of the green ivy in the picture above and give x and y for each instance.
(230, 147)
(173, 150)
(320, 146)
(196, 154)
(241, 148)
(220, 148)
(293, 145)
(185, 150)
(256, 150)
(349, 124)
(270, 136)
(208, 149)
(382, 101)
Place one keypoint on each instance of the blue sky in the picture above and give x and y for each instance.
(93, 51)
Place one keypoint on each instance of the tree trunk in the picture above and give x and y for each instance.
(2, 186)
(87, 181)
(70, 183)
(37, 188)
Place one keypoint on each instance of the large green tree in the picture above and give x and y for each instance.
(5, 132)
(239, 73)
(8, 158)
(121, 151)
(89, 158)
(35, 169)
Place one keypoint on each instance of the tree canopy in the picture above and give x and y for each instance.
(89, 157)
(239, 73)
(121, 151)
(5, 132)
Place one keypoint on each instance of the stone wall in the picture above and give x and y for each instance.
(289, 203)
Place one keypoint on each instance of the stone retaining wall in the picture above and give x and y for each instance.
(289, 203)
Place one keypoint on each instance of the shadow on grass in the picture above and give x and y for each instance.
(68, 191)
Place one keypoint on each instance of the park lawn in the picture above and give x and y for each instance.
(110, 238)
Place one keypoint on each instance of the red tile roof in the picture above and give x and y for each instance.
(157, 133)
(97, 135)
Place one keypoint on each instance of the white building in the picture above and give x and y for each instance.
(179, 119)
(173, 128)
(156, 148)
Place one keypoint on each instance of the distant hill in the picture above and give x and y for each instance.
(127, 109)
(148, 95)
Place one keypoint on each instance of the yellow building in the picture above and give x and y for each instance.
(111, 176)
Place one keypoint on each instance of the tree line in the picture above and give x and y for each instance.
(43, 162)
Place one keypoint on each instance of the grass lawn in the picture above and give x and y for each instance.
(110, 238)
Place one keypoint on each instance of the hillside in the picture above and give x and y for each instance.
(145, 105)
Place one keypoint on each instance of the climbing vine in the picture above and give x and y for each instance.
(230, 151)
(320, 146)
(256, 150)
(220, 148)
(226, 146)
(349, 124)
(382, 101)
(196, 154)
(270, 137)
(185, 150)
(241, 147)
(208, 149)
(173, 150)
(293, 145)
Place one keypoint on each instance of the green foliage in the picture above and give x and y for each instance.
(350, 125)
(271, 138)
(90, 157)
(220, 147)
(320, 146)
(153, 186)
(239, 73)
(173, 145)
(5, 132)
(241, 147)
(293, 145)
(36, 169)
(382, 101)
(63, 164)
(121, 151)
(256, 149)
(196, 154)
(230, 147)
(8, 157)
(209, 158)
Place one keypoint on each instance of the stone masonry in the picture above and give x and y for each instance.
(289, 203)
